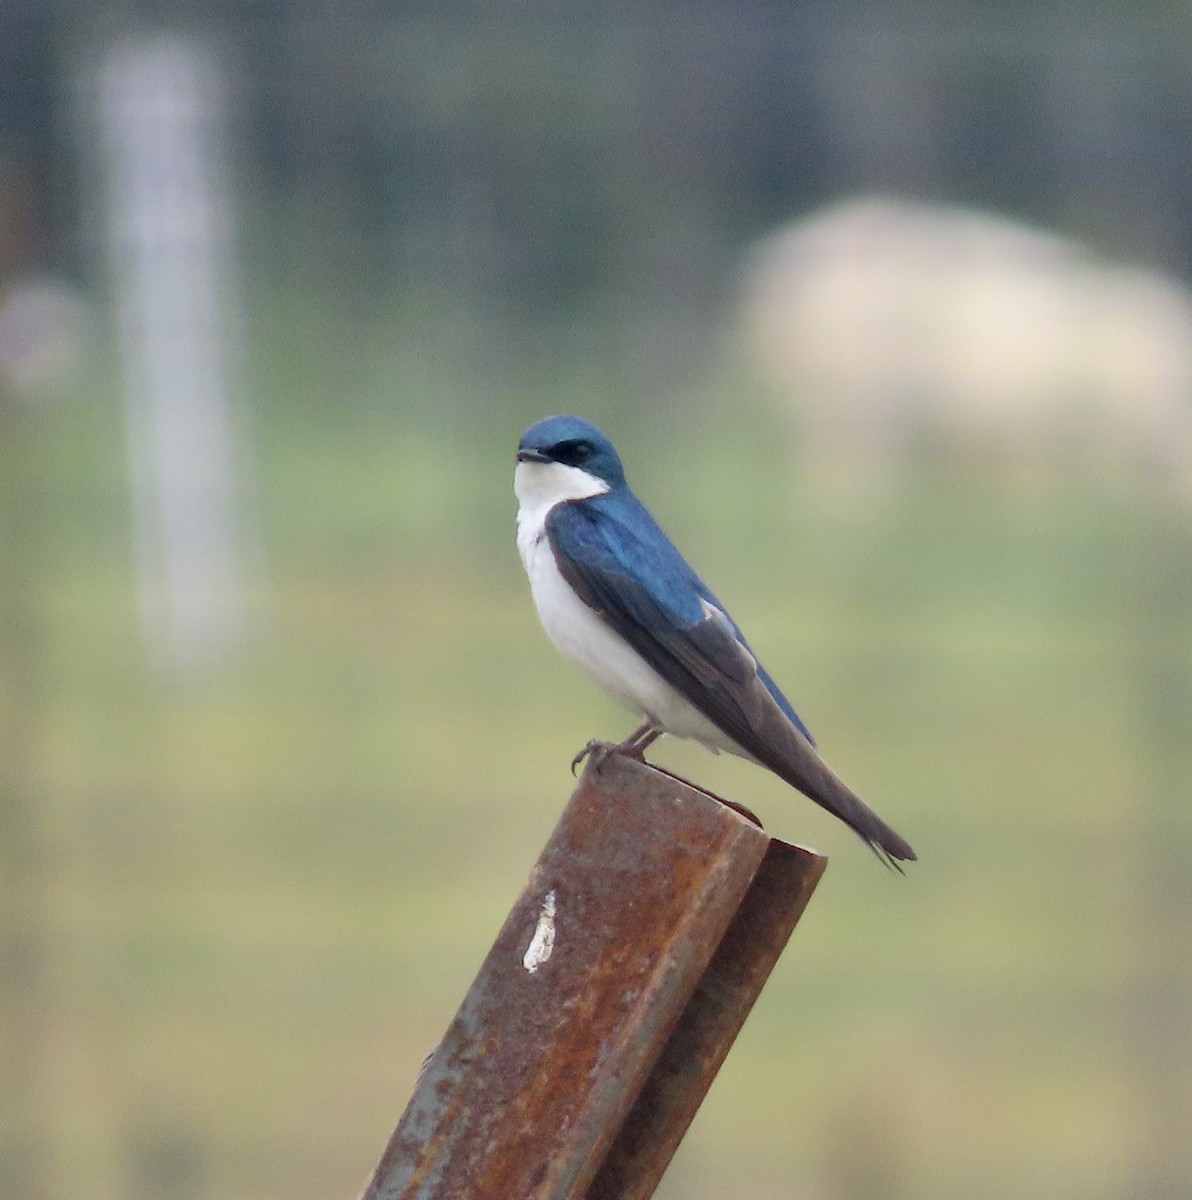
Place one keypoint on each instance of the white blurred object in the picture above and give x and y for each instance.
(169, 226)
(880, 320)
(44, 332)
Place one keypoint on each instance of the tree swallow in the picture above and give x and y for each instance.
(619, 601)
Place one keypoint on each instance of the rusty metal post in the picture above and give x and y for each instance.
(607, 1003)
(684, 1071)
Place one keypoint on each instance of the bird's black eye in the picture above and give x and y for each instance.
(574, 452)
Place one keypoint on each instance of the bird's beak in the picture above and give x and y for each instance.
(532, 456)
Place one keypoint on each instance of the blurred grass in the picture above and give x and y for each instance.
(267, 890)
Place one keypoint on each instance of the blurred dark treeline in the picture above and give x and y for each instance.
(533, 161)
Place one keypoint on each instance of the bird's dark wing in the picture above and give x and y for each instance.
(631, 576)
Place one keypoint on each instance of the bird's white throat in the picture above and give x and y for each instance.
(539, 487)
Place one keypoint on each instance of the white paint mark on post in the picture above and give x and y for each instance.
(169, 239)
(542, 944)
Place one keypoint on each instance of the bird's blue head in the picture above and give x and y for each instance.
(575, 443)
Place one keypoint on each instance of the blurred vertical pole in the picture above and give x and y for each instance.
(1159, 615)
(169, 237)
(23, 1142)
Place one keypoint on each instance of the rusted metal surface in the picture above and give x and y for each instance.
(709, 1025)
(579, 994)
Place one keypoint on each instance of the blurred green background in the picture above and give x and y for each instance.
(244, 885)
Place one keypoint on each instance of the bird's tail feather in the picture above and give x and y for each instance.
(809, 773)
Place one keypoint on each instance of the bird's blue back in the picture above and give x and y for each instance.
(615, 533)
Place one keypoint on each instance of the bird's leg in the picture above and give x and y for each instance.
(634, 746)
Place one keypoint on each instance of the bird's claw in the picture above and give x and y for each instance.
(590, 748)
(633, 747)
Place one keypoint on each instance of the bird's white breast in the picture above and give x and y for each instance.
(576, 631)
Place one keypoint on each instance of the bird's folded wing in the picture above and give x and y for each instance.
(687, 639)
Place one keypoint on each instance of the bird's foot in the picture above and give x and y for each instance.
(634, 746)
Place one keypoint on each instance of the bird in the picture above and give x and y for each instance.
(620, 602)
